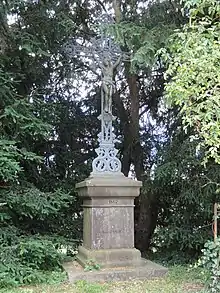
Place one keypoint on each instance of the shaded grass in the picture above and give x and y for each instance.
(180, 279)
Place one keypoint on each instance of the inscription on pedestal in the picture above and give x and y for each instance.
(108, 223)
(112, 231)
(113, 228)
(113, 201)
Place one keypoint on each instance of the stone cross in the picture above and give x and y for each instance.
(106, 56)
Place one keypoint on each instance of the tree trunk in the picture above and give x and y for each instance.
(145, 206)
(146, 221)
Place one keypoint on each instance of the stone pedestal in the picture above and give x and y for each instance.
(108, 232)
(108, 235)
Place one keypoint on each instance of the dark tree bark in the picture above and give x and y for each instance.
(145, 206)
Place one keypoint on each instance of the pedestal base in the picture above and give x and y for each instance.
(110, 258)
(144, 271)
(108, 232)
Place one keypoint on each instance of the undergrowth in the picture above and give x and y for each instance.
(30, 261)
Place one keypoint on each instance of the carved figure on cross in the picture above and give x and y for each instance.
(105, 55)
(107, 68)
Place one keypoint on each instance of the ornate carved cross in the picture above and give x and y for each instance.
(107, 56)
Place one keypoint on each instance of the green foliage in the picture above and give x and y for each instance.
(179, 273)
(192, 88)
(17, 120)
(37, 211)
(25, 258)
(185, 193)
(27, 261)
(91, 265)
(84, 286)
(179, 279)
(193, 74)
(211, 261)
(144, 33)
(9, 165)
(49, 128)
(32, 203)
(38, 254)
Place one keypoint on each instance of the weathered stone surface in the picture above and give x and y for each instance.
(146, 270)
(108, 229)
(108, 224)
(108, 232)
(109, 258)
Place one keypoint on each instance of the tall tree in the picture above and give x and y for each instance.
(139, 31)
(194, 74)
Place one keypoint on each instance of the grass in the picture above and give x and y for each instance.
(180, 279)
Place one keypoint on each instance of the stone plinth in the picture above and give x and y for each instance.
(108, 233)
(145, 271)
(108, 228)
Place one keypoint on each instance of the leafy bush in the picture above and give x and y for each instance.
(186, 193)
(211, 261)
(32, 203)
(34, 211)
(39, 254)
(28, 262)
(27, 256)
(193, 74)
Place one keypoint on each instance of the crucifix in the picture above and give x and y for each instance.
(108, 196)
(106, 56)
